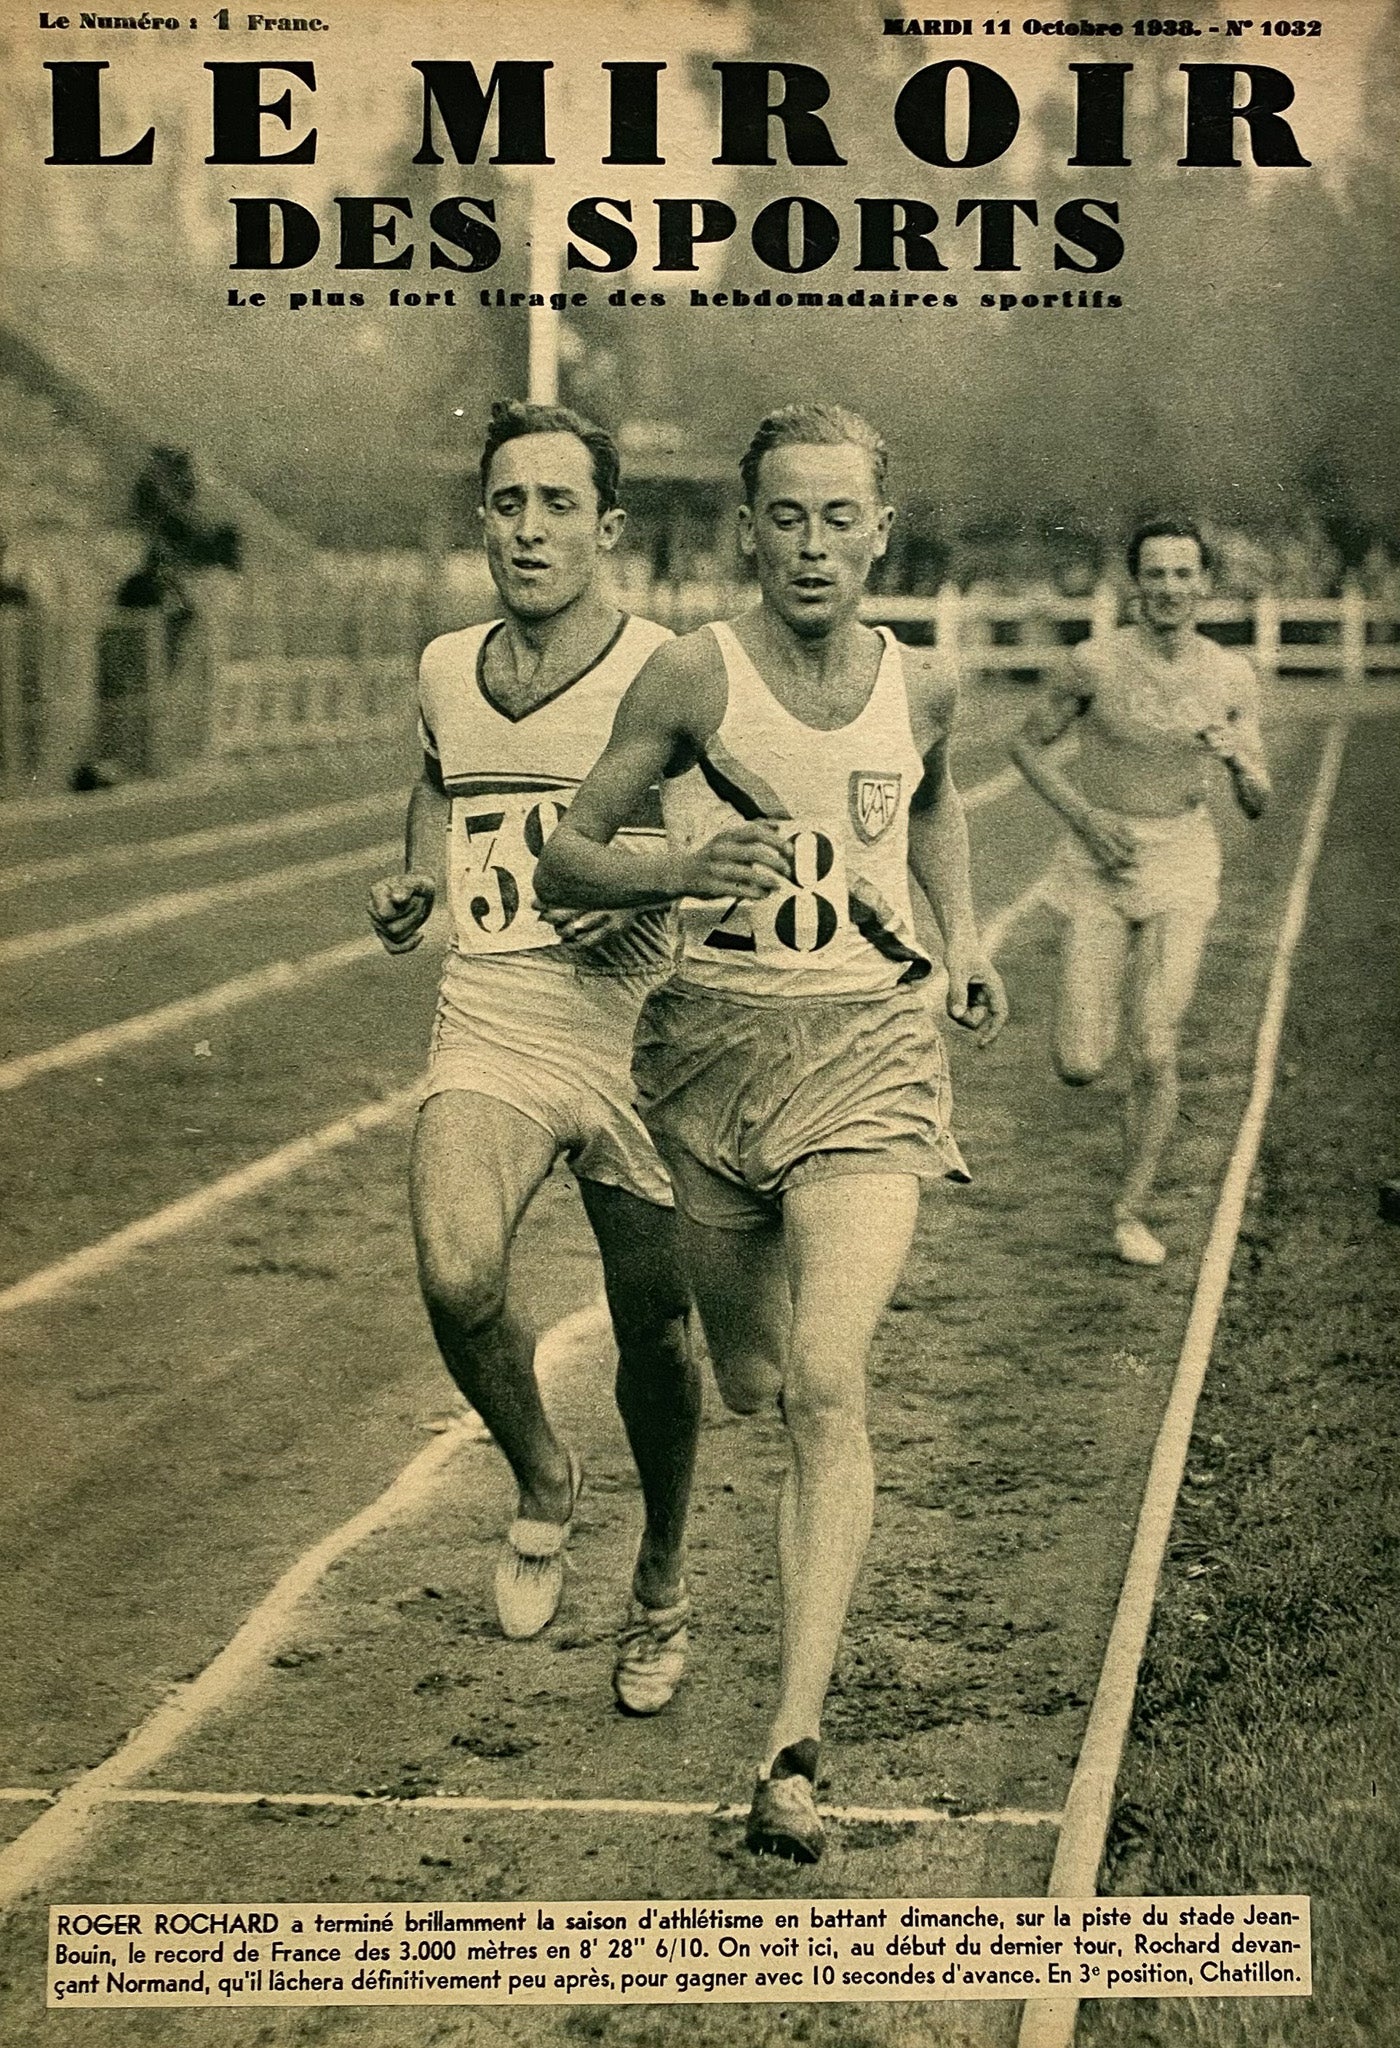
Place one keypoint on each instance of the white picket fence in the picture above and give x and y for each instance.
(1342, 636)
(326, 655)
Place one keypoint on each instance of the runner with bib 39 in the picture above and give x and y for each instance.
(534, 1021)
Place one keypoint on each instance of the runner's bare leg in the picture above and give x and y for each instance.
(739, 1279)
(1163, 971)
(658, 1381)
(846, 1241)
(476, 1162)
(1089, 998)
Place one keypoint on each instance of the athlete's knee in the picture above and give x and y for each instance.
(749, 1374)
(748, 1383)
(1081, 1050)
(824, 1419)
(1153, 1053)
(464, 1288)
(652, 1350)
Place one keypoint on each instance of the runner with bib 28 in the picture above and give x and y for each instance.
(791, 1072)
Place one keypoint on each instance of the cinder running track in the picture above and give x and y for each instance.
(193, 1416)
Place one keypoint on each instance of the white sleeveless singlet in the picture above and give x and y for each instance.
(510, 780)
(843, 926)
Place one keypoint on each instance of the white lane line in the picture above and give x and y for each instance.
(994, 788)
(178, 903)
(1001, 924)
(57, 1832)
(65, 867)
(280, 977)
(627, 1809)
(153, 910)
(114, 1250)
(1050, 2023)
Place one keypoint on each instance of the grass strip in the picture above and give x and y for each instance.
(1266, 1738)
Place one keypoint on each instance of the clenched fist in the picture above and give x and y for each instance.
(399, 907)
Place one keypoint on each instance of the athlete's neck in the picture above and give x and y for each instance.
(1168, 643)
(547, 650)
(817, 657)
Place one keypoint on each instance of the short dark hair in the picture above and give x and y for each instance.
(513, 418)
(1166, 529)
(808, 426)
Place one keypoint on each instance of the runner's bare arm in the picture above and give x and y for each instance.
(1065, 698)
(1240, 745)
(400, 905)
(669, 711)
(940, 861)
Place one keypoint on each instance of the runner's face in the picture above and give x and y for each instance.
(1171, 580)
(545, 536)
(815, 527)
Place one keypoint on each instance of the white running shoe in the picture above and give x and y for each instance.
(651, 1656)
(1135, 1244)
(530, 1568)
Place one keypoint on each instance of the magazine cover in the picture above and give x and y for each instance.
(697, 735)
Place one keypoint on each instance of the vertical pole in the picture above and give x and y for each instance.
(1103, 609)
(947, 610)
(1266, 634)
(542, 325)
(1353, 649)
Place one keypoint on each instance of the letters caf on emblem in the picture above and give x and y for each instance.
(874, 802)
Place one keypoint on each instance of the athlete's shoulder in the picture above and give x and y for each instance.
(642, 636)
(692, 656)
(931, 684)
(1089, 661)
(681, 684)
(1231, 667)
(930, 670)
(453, 655)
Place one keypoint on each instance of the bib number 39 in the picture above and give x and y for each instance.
(495, 845)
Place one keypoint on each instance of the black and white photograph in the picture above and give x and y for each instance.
(699, 805)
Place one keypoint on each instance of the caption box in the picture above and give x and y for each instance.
(655, 1952)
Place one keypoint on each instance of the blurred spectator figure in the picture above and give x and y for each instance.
(10, 591)
(178, 542)
(163, 506)
(1306, 563)
(1380, 574)
(1244, 567)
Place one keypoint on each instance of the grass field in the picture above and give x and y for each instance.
(1266, 1744)
(187, 1424)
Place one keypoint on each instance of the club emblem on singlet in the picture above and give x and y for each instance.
(874, 803)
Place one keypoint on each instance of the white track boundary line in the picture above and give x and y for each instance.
(279, 978)
(464, 1802)
(153, 910)
(59, 1830)
(178, 903)
(114, 1250)
(994, 789)
(65, 867)
(1000, 925)
(1050, 2023)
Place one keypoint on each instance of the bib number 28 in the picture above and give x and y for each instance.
(799, 919)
